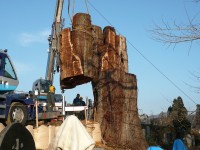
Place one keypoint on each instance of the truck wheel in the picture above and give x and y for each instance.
(17, 113)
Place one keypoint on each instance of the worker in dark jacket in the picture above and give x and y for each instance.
(82, 113)
(51, 98)
(82, 102)
(77, 101)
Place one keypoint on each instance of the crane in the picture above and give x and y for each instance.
(53, 60)
(53, 56)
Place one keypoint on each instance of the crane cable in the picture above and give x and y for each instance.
(69, 11)
(73, 6)
(86, 7)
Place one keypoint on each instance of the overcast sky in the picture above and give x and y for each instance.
(25, 26)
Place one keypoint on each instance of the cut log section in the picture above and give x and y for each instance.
(75, 52)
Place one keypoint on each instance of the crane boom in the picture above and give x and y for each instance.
(53, 56)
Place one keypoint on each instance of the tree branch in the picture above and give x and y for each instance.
(176, 33)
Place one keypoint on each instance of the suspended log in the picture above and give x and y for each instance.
(82, 41)
(67, 68)
(76, 55)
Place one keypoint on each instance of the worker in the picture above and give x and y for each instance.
(82, 113)
(51, 98)
(77, 101)
(90, 109)
(82, 102)
(178, 143)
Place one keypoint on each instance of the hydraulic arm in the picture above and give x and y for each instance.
(53, 56)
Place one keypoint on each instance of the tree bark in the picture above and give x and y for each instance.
(101, 57)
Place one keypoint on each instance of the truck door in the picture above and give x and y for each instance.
(8, 77)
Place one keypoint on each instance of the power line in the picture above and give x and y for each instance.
(176, 86)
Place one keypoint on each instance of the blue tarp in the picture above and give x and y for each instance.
(154, 148)
(179, 145)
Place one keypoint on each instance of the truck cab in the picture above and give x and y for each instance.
(14, 107)
(8, 76)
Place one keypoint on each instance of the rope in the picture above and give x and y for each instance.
(83, 30)
(68, 11)
(73, 8)
(86, 6)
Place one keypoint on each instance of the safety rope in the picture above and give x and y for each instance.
(83, 30)
(86, 6)
(73, 8)
(69, 11)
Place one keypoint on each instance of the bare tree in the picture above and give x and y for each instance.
(174, 33)
(177, 33)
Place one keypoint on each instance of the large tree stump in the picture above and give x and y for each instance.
(89, 54)
(115, 95)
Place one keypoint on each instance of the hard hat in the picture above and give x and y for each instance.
(52, 88)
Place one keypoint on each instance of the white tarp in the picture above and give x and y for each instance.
(72, 135)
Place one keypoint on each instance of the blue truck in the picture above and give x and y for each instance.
(14, 107)
(20, 106)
